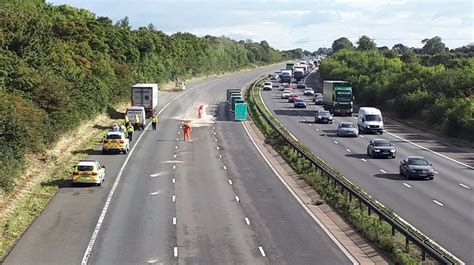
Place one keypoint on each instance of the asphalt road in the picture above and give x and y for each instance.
(212, 200)
(442, 208)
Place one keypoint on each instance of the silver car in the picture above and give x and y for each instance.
(347, 129)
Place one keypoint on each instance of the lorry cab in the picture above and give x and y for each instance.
(370, 120)
(138, 111)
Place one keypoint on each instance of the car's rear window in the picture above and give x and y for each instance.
(85, 168)
(114, 136)
(382, 143)
(347, 125)
(417, 161)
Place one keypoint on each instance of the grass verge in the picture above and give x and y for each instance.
(370, 225)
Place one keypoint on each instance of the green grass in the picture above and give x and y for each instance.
(376, 230)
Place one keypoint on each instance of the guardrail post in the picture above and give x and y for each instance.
(369, 211)
(350, 196)
(423, 255)
(393, 230)
(407, 244)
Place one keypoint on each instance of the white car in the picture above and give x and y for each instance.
(88, 171)
(267, 86)
(308, 91)
(286, 94)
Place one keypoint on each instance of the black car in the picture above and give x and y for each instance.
(323, 116)
(381, 148)
(301, 86)
(416, 167)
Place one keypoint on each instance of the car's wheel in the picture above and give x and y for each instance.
(368, 152)
(400, 170)
(104, 151)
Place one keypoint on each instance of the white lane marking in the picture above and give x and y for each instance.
(407, 185)
(431, 151)
(464, 186)
(157, 174)
(303, 119)
(383, 171)
(335, 142)
(174, 198)
(317, 129)
(174, 220)
(436, 172)
(225, 168)
(179, 133)
(230, 182)
(215, 133)
(152, 261)
(217, 147)
(154, 193)
(177, 139)
(88, 251)
(363, 159)
(175, 156)
(174, 167)
(354, 117)
(176, 147)
(298, 199)
(220, 156)
(309, 124)
(247, 221)
(361, 136)
(437, 202)
(348, 150)
(174, 180)
(237, 198)
(215, 140)
(175, 252)
(262, 252)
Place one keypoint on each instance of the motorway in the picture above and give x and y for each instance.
(442, 208)
(212, 200)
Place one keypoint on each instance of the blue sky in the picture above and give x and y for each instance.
(307, 24)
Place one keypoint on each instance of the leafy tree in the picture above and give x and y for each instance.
(433, 46)
(365, 43)
(400, 48)
(342, 43)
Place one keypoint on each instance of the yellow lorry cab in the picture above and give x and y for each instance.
(88, 171)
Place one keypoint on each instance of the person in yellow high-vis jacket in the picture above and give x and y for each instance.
(154, 120)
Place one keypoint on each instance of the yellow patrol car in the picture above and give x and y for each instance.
(88, 171)
(115, 141)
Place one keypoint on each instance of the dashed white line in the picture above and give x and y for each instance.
(383, 171)
(262, 252)
(217, 147)
(174, 167)
(215, 140)
(175, 252)
(174, 220)
(175, 156)
(436, 172)
(407, 185)
(317, 129)
(361, 136)
(179, 133)
(174, 198)
(348, 150)
(247, 221)
(174, 180)
(335, 142)
(363, 159)
(225, 168)
(230, 182)
(177, 139)
(464, 186)
(220, 156)
(437, 202)
(154, 193)
(237, 198)
(309, 124)
(176, 147)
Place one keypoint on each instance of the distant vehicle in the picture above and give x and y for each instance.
(370, 120)
(416, 167)
(308, 91)
(88, 171)
(137, 111)
(115, 141)
(293, 98)
(347, 129)
(381, 148)
(323, 116)
(302, 62)
(274, 77)
(318, 100)
(299, 73)
(267, 86)
(300, 86)
(316, 95)
(286, 94)
(146, 96)
(299, 103)
(285, 76)
(290, 66)
(337, 97)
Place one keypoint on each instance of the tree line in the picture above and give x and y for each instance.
(61, 65)
(432, 86)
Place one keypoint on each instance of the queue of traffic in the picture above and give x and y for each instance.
(337, 100)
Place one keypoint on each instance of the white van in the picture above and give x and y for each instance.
(370, 120)
(137, 111)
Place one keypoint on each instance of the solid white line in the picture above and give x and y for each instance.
(262, 252)
(88, 251)
(348, 150)
(247, 221)
(237, 198)
(383, 171)
(464, 186)
(298, 199)
(363, 159)
(175, 252)
(431, 151)
(174, 220)
(437, 202)
(174, 198)
(407, 185)
(174, 180)
(230, 182)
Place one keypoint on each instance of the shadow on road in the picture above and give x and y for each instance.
(88, 152)
(294, 112)
(359, 156)
(390, 176)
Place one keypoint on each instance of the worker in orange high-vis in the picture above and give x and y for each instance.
(200, 111)
(187, 131)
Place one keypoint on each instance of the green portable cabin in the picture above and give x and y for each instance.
(231, 90)
(240, 110)
(233, 98)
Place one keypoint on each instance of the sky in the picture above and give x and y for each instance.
(306, 24)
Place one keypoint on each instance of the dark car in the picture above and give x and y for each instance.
(323, 116)
(318, 98)
(300, 86)
(299, 103)
(381, 148)
(292, 98)
(416, 167)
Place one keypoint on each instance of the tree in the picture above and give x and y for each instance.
(409, 56)
(399, 47)
(342, 43)
(433, 46)
(365, 43)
